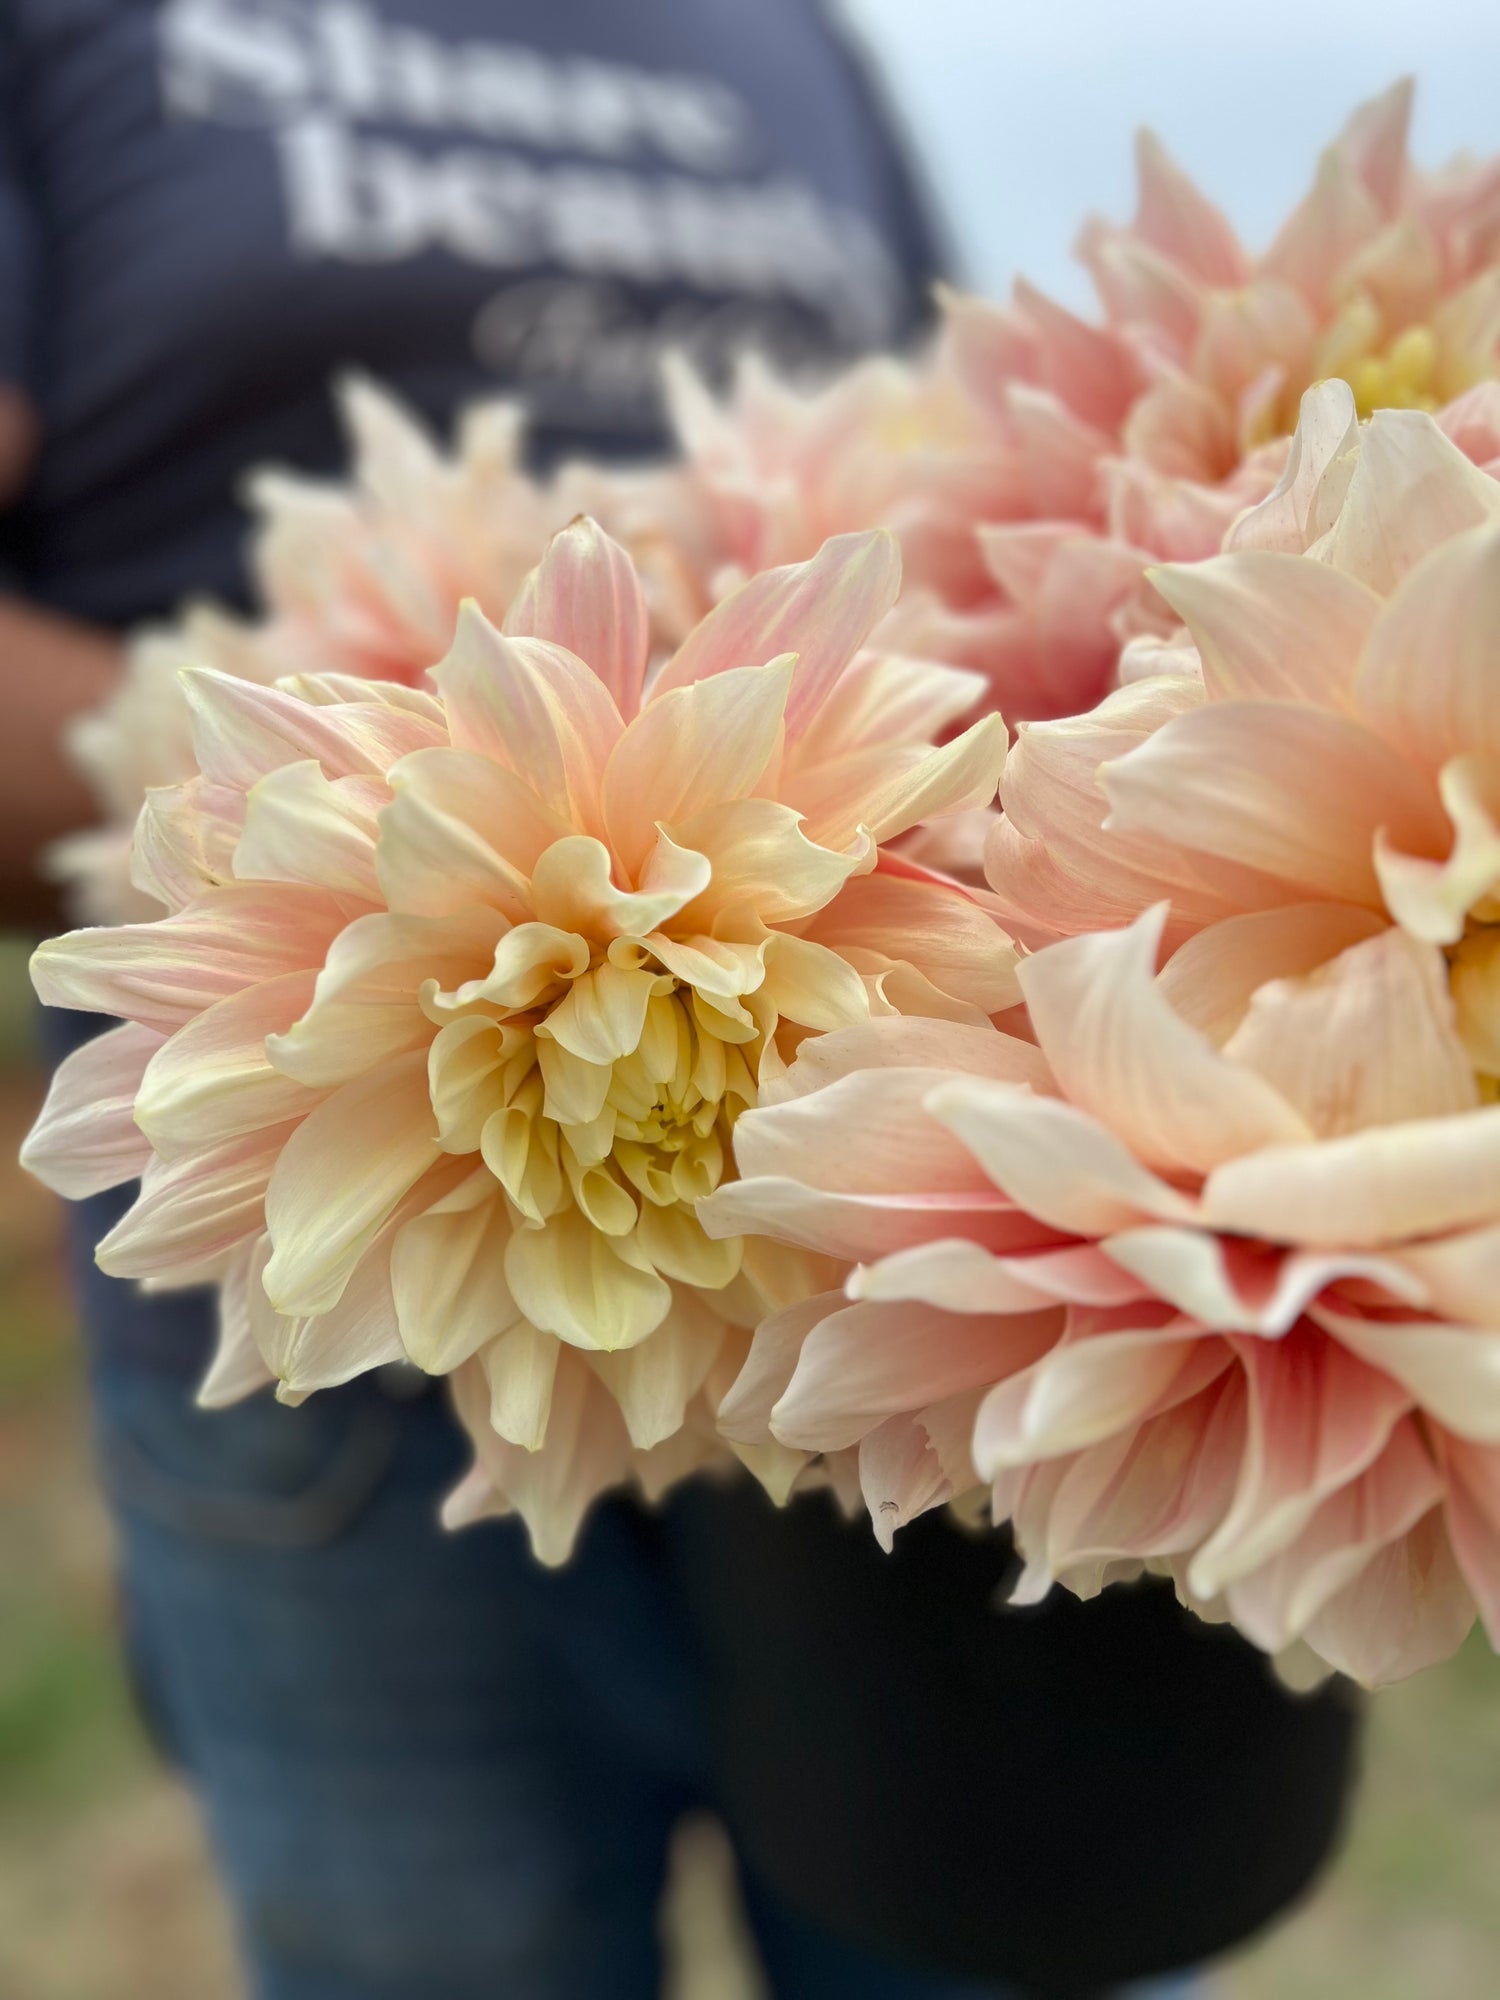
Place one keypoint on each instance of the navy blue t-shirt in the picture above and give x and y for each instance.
(210, 206)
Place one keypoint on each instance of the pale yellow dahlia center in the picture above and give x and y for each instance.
(613, 1094)
(1402, 375)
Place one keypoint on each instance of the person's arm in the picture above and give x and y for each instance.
(53, 668)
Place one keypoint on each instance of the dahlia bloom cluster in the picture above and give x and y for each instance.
(1140, 438)
(1200, 1272)
(463, 989)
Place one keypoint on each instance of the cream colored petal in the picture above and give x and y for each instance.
(1123, 1056)
(339, 1177)
(917, 1045)
(692, 748)
(238, 1368)
(601, 1016)
(366, 1005)
(448, 1278)
(303, 827)
(86, 1138)
(848, 1225)
(321, 1351)
(869, 1132)
(764, 865)
(945, 933)
(900, 1476)
(213, 1080)
(573, 887)
(520, 1366)
(461, 830)
(884, 698)
(953, 1274)
(654, 1382)
(1273, 627)
(1319, 467)
(571, 1281)
(1432, 898)
(964, 773)
(808, 983)
(536, 710)
(1231, 1286)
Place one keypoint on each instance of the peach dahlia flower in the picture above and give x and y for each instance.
(1202, 1280)
(1328, 740)
(1140, 438)
(360, 576)
(463, 990)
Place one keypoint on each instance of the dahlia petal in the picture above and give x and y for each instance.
(86, 1138)
(1451, 1372)
(213, 1080)
(693, 748)
(823, 611)
(869, 1362)
(365, 1006)
(359, 1332)
(964, 773)
(1409, 1608)
(1177, 219)
(745, 1410)
(242, 731)
(1277, 1603)
(1053, 1160)
(900, 1476)
(164, 973)
(867, 1132)
(952, 1273)
(573, 888)
(1235, 1287)
(1473, 1520)
(883, 698)
(762, 862)
(1318, 1418)
(1426, 681)
(520, 1364)
(1320, 465)
(1337, 218)
(1081, 1392)
(571, 1281)
(916, 1044)
(1367, 1039)
(1091, 368)
(1456, 1276)
(448, 1278)
(338, 1178)
(854, 1226)
(584, 595)
(1295, 794)
(238, 1368)
(1432, 899)
(1273, 627)
(956, 943)
(534, 709)
(303, 827)
(1365, 1190)
(1121, 1054)
(603, 1012)
(654, 1382)
(460, 830)
(192, 1213)
(1211, 978)
(1410, 491)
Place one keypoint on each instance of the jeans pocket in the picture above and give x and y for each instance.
(259, 1475)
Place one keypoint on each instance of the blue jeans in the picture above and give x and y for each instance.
(431, 1770)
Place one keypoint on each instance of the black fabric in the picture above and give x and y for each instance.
(1069, 1796)
(208, 207)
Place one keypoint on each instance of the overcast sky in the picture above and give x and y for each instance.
(1024, 109)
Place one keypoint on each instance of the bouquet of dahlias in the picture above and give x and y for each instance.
(577, 993)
